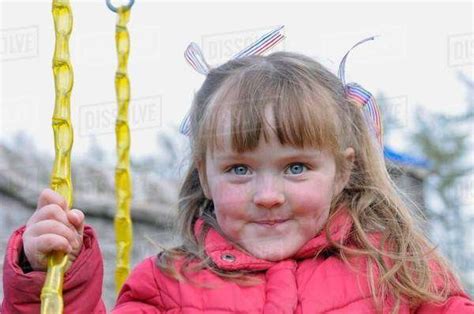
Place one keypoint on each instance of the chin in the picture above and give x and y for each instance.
(266, 253)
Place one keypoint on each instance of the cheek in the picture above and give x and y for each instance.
(310, 214)
(228, 195)
(310, 206)
(310, 200)
(230, 203)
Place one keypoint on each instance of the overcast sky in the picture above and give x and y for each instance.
(415, 61)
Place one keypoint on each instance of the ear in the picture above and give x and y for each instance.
(203, 179)
(343, 177)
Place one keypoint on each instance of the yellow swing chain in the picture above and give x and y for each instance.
(51, 294)
(123, 184)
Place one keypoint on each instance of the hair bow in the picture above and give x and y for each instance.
(360, 96)
(195, 58)
(363, 98)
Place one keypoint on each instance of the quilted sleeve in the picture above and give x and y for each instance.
(140, 293)
(82, 282)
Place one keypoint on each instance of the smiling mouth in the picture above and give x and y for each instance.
(271, 222)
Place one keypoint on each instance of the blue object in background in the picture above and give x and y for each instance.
(405, 159)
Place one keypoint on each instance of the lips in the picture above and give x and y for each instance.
(271, 222)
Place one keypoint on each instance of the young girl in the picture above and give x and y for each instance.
(287, 207)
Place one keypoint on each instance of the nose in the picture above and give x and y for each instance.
(268, 192)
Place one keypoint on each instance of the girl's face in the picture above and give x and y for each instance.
(272, 200)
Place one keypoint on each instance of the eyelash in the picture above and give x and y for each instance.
(288, 167)
(300, 164)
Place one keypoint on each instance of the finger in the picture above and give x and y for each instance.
(76, 218)
(48, 243)
(53, 227)
(49, 196)
(51, 211)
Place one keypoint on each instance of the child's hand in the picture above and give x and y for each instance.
(50, 229)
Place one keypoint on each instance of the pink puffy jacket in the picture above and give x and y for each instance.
(298, 285)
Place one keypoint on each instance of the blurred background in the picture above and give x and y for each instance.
(420, 67)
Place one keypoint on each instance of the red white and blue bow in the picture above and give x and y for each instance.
(195, 58)
(363, 98)
(360, 96)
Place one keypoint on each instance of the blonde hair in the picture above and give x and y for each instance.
(310, 110)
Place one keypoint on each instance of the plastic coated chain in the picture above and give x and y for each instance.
(51, 294)
(123, 184)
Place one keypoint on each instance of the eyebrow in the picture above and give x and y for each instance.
(290, 156)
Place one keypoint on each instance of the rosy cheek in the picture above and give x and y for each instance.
(304, 201)
(309, 208)
(230, 201)
(231, 223)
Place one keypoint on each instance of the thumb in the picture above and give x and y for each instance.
(76, 218)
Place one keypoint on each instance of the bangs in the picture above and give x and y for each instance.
(303, 111)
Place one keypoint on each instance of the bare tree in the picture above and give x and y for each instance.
(446, 142)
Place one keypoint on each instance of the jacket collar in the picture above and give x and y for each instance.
(228, 257)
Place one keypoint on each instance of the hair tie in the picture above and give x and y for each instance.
(363, 98)
(194, 56)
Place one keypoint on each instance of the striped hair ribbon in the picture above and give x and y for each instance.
(195, 58)
(185, 126)
(363, 98)
(264, 43)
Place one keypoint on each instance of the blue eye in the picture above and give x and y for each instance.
(240, 170)
(296, 168)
